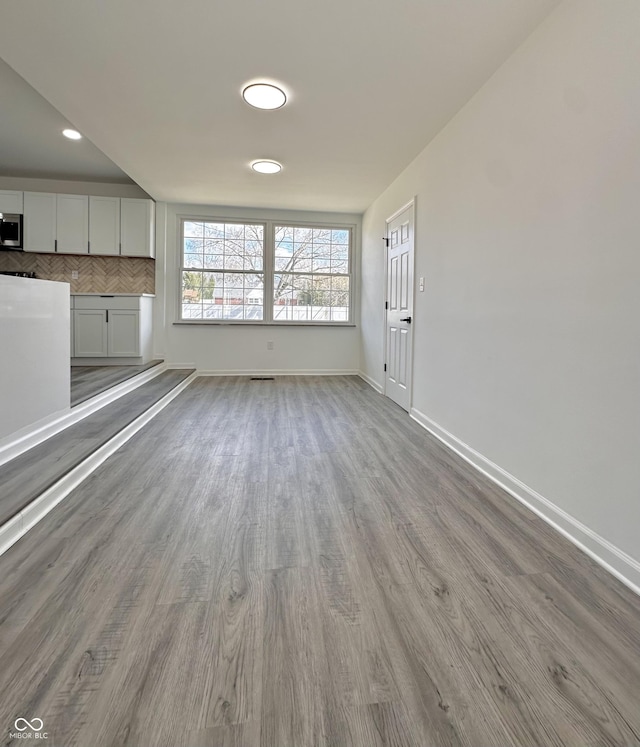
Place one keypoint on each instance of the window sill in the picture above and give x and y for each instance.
(237, 323)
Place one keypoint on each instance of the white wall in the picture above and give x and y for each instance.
(240, 348)
(527, 337)
(68, 186)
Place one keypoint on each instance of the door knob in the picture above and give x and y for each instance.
(407, 319)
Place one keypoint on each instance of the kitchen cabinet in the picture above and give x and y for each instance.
(10, 201)
(112, 328)
(104, 226)
(55, 222)
(72, 224)
(90, 333)
(81, 224)
(107, 333)
(123, 332)
(137, 218)
(39, 223)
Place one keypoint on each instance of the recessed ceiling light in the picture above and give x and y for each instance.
(72, 134)
(264, 96)
(266, 167)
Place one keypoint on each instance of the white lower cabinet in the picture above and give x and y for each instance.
(123, 332)
(90, 331)
(112, 327)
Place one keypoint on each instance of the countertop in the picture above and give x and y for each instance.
(110, 295)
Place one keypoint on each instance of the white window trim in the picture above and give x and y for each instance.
(268, 270)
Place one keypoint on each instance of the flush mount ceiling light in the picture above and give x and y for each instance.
(264, 96)
(266, 167)
(72, 134)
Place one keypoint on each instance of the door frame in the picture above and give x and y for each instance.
(410, 204)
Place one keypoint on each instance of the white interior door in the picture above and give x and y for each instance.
(400, 240)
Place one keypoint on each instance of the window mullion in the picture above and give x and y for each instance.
(269, 264)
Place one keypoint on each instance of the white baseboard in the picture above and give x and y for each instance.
(373, 384)
(22, 522)
(280, 372)
(616, 561)
(36, 433)
(137, 361)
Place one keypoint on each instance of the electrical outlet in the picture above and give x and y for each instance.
(74, 274)
(269, 344)
(421, 284)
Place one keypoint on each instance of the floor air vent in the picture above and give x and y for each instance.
(261, 378)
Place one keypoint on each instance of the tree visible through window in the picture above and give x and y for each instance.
(225, 273)
(222, 270)
(311, 274)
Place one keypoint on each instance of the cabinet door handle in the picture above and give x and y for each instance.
(55, 245)
(107, 316)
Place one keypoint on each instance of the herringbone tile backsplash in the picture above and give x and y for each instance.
(95, 274)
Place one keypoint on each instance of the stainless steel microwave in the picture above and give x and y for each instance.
(10, 231)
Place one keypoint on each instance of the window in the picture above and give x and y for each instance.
(222, 270)
(311, 274)
(230, 270)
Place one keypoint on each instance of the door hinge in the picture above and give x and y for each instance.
(385, 366)
(386, 241)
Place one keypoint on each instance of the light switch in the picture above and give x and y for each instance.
(74, 274)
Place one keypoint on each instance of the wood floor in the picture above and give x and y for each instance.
(87, 381)
(27, 476)
(296, 563)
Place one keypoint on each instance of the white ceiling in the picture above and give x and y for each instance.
(30, 141)
(155, 84)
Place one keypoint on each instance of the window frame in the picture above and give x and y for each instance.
(182, 268)
(268, 269)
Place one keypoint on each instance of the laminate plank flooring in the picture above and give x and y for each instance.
(297, 563)
(87, 381)
(27, 476)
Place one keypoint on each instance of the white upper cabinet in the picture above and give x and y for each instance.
(136, 227)
(39, 222)
(10, 202)
(104, 225)
(79, 224)
(72, 216)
